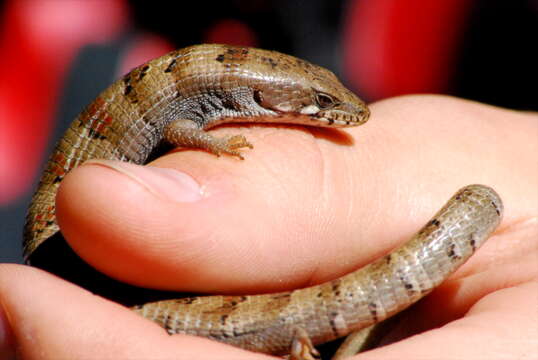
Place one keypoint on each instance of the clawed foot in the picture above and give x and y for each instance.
(186, 133)
(229, 145)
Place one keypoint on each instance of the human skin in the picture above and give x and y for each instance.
(306, 206)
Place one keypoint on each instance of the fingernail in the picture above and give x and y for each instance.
(169, 184)
(7, 349)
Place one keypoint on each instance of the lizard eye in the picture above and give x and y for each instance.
(324, 101)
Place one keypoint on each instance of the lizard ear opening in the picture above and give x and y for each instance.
(267, 102)
(258, 97)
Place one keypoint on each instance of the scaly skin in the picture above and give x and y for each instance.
(266, 323)
(197, 87)
(177, 97)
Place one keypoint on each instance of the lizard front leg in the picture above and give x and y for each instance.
(187, 133)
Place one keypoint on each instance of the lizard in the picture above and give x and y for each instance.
(175, 99)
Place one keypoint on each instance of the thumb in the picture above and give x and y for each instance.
(191, 221)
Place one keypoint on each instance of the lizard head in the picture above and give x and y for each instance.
(310, 94)
(343, 109)
(271, 83)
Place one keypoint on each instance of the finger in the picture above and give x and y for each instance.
(304, 206)
(45, 325)
(500, 326)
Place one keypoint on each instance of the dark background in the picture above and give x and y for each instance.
(492, 59)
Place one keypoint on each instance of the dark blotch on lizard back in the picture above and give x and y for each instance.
(229, 305)
(188, 300)
(373, 310)
(332, 317)
(335, 286)
(238, 52)
(237, 300)
(167, 326)
(278, 301)
(268, 60)
(129, 90)
(171, 66)
(143, 72)
(406, 283)
(472, 242)
(497, 210)
(94, 134)
(235, 55)
(282, 296)
(452, 252)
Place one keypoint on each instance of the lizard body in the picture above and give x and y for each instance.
(176, 98)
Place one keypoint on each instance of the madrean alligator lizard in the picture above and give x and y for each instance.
(180, 95)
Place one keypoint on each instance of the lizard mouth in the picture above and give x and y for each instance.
(343, 115)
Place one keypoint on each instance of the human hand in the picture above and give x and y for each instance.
(303, 208)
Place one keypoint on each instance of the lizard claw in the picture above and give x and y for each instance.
(229, 145)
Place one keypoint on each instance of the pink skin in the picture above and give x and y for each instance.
(325, 202)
